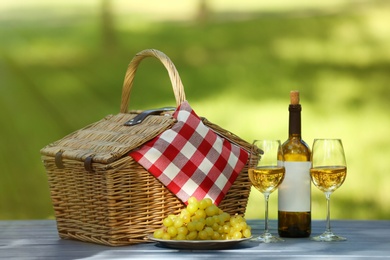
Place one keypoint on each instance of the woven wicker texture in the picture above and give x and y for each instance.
(101, 195)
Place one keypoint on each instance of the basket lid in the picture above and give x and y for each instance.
(109, 139)
(114, 136)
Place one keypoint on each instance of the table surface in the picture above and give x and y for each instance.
(38, 239)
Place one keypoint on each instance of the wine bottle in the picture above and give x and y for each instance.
(294, 193)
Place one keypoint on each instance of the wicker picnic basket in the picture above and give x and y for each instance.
(100, 194)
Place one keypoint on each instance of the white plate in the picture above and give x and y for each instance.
(198, 244)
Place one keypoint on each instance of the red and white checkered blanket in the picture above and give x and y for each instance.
(190, 159)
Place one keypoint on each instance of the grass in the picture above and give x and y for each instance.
(57, 75)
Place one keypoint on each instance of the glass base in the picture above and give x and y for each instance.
(328, 236)
(267, 238)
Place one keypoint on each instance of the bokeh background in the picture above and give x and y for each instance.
(62, 65)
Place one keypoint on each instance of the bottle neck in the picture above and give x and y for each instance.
(294, 126)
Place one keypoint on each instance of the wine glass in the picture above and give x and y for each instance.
(266, 172)
(328, 172)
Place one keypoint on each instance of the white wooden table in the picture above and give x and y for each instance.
(38, 239)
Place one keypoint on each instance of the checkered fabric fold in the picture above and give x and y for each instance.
(190, 159)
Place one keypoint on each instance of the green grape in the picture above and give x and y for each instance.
(192, 200)
(200, 225)
(200, 213)
(186, 218)
(221, 220)
(172, 231)
(237, 226)
(231, 232)
(184, 212)
(237, 235)
(209, 231)
(203, 235)
(243, 225)
(209, 201)
(216, 236)
(192, 235)
(166, 236)
(180, 237)
(233, 221)
(185, 215)
(226, 228)
(182, 231)
(167, 222)
(178, 222)
(210, 221)
(220, 229)
(239, 218)
(224, 217)
(203, 220)
(215, 226)
(246, 232)
(191, 226)
(216, 219)
(158, 233)
(203, 204)
(211, 210)
(171, 216)
(192, 208)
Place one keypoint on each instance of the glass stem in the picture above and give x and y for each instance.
(266, 197)
(327, 195)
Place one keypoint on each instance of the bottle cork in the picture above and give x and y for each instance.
(294, 97)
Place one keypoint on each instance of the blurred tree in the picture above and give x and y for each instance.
(203, 13)
(108, 27)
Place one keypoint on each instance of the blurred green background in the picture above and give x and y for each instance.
(62, 65)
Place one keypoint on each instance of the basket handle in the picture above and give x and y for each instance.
(177, 85)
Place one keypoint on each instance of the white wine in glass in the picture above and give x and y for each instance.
(266, 172)
(328, 173)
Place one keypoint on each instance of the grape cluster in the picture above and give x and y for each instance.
(203, 220)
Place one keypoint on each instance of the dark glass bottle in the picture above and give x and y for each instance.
(294, 194)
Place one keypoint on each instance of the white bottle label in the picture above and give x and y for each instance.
(294, 193)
